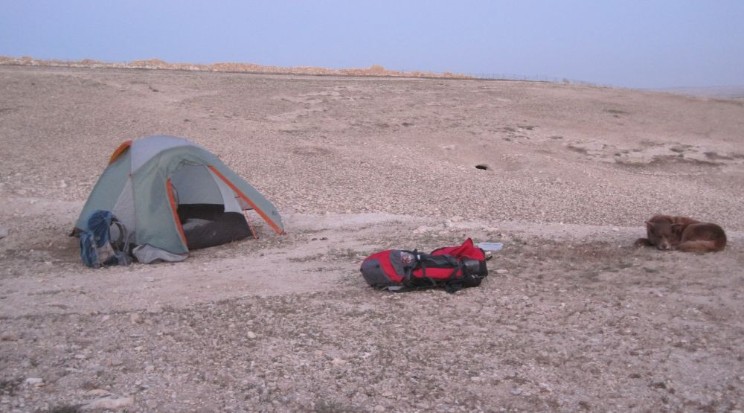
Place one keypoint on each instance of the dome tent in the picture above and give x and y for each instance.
(153, 184)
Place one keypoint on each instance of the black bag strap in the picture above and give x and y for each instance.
(408, 276)
(423, 262)
(121, 245)
(123, 235)
(450, 284)
(422, 265)
(454, 283)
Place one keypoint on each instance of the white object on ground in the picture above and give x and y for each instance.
(490, 246)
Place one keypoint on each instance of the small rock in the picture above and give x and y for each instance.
(251, 335)
(420, 230)
(35, 381)
(502, 271)
(97, 392)
(379, 408)
(155, 309)
(3, 232)
(338, 362)
(135, 318)
(109, 403)
(9, 336)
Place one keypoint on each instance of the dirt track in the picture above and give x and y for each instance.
(571, 318)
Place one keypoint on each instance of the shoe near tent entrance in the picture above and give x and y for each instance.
(172, 196)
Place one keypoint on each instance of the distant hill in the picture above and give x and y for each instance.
(718, 92)
(374, 70)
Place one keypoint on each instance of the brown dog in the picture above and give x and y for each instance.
(683, 234)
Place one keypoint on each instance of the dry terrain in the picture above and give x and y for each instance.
(571, 318)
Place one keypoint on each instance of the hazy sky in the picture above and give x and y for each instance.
(630, 43)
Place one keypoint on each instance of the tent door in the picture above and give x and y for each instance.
(196, 184)
(208, 210)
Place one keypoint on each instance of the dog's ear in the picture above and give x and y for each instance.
(649, 224)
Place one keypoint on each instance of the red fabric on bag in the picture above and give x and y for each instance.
(383, 259)
(466, 250)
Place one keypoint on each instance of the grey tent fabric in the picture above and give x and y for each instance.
(148, 178)
(147, 254)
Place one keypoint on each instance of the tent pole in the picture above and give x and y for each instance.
(248, 221)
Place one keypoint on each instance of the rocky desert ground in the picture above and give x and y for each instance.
(571, 318)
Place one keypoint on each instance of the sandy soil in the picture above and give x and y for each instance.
(572, 317)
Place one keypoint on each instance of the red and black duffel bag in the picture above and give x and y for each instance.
(452, 268)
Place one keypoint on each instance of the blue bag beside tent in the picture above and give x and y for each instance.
(97, 248)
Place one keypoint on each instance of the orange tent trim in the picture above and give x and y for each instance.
(120, 150)
(174, 210)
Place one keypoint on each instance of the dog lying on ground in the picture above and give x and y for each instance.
(682, 234)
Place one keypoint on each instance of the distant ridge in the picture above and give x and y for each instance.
(719, 92)
(157, 64)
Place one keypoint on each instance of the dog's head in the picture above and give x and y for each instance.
(663, 233)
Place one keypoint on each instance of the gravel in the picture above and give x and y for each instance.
(571, 318)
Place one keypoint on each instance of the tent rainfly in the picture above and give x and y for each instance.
(167, 191)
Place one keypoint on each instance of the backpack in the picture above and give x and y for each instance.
(452, 268)
(97, 249)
